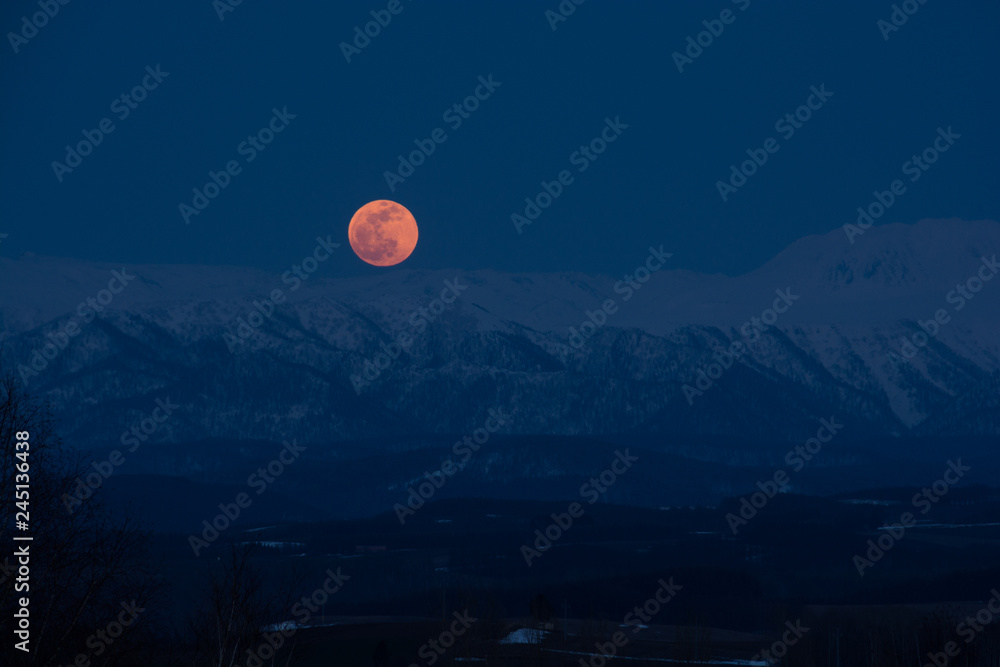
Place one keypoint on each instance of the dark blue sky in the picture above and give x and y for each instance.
(656, 184)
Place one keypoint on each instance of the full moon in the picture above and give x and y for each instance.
(383, 233)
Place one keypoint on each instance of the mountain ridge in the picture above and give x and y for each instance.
(307, 366)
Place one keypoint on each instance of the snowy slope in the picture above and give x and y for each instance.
(505, 342)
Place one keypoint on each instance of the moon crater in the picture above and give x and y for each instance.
(383, 233)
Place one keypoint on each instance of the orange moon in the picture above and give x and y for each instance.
(383, 233)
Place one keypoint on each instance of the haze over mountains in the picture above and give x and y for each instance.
(310, 370)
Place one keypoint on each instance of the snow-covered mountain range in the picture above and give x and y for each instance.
(821, 330)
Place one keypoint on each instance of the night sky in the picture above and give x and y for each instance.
(554, 89)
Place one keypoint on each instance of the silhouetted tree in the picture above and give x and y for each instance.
(86, 567)
(541, 608)
(240, 612)
(380, 658)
